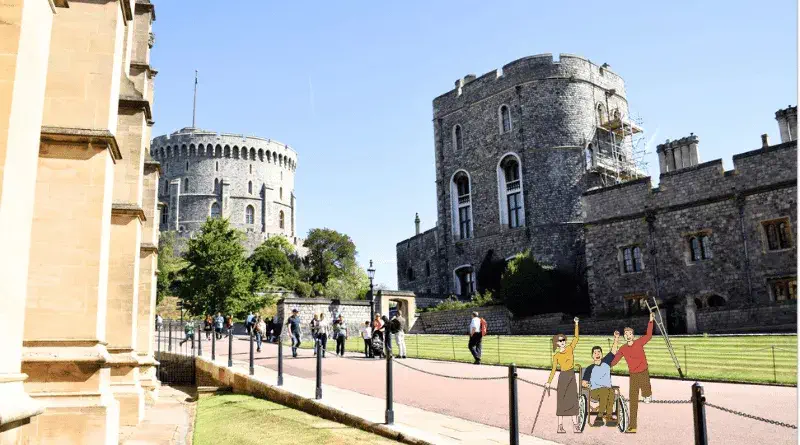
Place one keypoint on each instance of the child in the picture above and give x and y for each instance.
(366, 334)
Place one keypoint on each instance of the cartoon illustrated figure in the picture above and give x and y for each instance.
(597, 378)
(567, 388)
(633, 351)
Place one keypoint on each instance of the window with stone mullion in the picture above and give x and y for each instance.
(464, 222)
(514, 210)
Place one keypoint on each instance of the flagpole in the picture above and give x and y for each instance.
(194, 102)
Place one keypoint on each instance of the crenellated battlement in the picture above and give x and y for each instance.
(540, 67)
(765, 168)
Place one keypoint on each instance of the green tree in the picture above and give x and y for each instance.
(350, 286)
(274, 263)
(330, 255)
(169, 267)
(217, 277)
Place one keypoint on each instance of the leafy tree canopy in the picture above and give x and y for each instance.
(330, 255)
(169, 267)
(274, 263)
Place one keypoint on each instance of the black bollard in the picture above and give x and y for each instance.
(699, 409)
(513, 409)
(318, 394)
(389, 384)
(199, 343)
(280, 360)
(169, 345)
(214, 345)
(230, 347)
(252, 369)
(158, 369)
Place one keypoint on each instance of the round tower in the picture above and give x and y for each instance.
(248, 180)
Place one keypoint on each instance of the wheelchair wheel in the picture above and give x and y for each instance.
(583, 411)
(623, 417)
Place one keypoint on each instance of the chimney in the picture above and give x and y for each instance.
(764, 140)
(787, 123)
(678, 154)
(416, 224)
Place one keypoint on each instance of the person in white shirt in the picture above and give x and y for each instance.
(366, 334)
(475, 337)
(324, 330)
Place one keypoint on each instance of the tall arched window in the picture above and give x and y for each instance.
(589, 152)
(250, 187)
(280, 219)
(464, 281)
(458, 141)
(509, 188)
(462, 205)
(505, 119)
(215, 210)
(185, 185)
(165, 215)
(249, 215)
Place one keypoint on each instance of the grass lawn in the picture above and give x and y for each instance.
(243, 420)
(729, 358)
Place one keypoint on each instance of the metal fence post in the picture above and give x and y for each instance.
(498, 349)
(214, 344)
(685, 360)
(774, 371)
(513, 413)
(280, 360)
(230, 347)
(389, 389)
(252, 369)
(199, 343)
(416, 341)
(169, 345)
(318, 347)
(453, 343)
(699, 409)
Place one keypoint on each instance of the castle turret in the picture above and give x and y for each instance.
(787, 123)
(678, 154)
(416, 224)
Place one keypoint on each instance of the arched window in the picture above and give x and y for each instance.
(249, 215)
(462, 205)
(464, 281)
(512, 209)
(589, 152)
(227, 151)
(165, 215)
(715, 301)
(280, 219)
(458, 142)
(215, 210)
(250, 187)
(505, 119)
(185, 185)
(252, 154)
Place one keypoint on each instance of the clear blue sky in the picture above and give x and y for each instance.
(349, 85)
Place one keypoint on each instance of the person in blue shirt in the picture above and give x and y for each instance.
(249, 322)
(294, 331)
(218, 322)
(597, 378)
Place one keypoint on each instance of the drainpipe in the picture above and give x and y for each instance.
(740, 202)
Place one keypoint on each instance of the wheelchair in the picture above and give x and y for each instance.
(620, 412)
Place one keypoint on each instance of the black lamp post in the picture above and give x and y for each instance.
(371, 275)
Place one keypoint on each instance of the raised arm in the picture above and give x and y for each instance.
(574, 337)
(646, 338)
(617, 357)
(615, 345)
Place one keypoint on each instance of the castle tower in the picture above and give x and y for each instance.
(787, 123)
(678, 154)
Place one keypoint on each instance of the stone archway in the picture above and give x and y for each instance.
(405, 302)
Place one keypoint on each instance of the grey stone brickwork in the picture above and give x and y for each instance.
(355, 312)
(456, 322)
(232, 171)
(555, 109)
(779, 316)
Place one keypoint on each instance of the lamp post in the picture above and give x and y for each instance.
(371, 275)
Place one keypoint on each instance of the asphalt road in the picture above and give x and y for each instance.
(486, 401)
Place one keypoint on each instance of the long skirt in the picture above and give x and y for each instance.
(567, 393)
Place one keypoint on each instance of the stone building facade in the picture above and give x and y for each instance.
(78, 201)
(717, 247)
(515, 150)
(248, 180)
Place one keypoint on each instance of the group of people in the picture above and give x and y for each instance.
(597, 377)
(218, 325)
(374, 334)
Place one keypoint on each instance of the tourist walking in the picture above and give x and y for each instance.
(219, 322)
(340, 334)
(188, 330)
(639, 380)
(208, 326)
(229, 325)
(324, 331)
(475, 338)
(399, 331)
(270, 328)
(294, 331)
(260, 329)
(249, 322)
(315, 331)
(366, 334)
(387, 333)
(567, 388)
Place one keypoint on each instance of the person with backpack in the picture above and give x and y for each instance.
(259, 328)
(398, 328)
(340, 334)
(477, 329)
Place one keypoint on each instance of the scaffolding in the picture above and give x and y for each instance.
(620, 148)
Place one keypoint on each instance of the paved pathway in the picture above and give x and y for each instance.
(168, 422)
(486, 402)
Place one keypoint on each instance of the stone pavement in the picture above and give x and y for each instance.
(169, 422)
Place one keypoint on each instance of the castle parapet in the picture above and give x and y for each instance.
(787, 123)
(678, 154)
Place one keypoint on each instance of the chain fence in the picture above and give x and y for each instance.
(750, 416)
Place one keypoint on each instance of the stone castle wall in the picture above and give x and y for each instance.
(729, 207)
(355, 312)
(780, 317)
(456, 322)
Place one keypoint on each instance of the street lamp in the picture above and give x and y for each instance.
(371, 275)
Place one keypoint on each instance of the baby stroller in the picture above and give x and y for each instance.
(377, 346)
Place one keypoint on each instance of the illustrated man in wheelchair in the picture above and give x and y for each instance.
(612, 409)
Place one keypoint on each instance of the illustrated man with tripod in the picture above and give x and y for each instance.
(633, 351)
